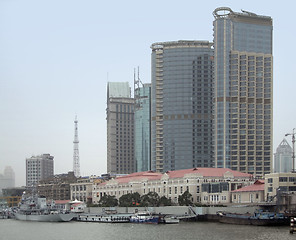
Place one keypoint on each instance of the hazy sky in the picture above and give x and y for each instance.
(56, 57)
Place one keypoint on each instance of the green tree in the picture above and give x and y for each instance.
(130, 200)
(108, 201)
(150, 199)
(185, 199)
(164, 201)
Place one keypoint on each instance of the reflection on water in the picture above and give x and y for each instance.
(21, 230)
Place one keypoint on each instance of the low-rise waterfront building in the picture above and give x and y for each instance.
(208, 186)
(250, 194)
(277, 183)
(82, 189)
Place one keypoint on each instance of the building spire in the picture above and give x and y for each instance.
(76, 164)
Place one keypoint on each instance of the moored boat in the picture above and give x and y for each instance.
(259, 218)
(104, 218)
(144, 217)
(34, 208)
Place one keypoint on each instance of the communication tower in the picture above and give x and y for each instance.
(76, 164)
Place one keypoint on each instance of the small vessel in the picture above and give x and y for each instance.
(35, 209)
(104, 218)
(171, 220)
(259, 218)
(144, 217)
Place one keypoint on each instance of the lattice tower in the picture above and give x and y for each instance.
(76, 164)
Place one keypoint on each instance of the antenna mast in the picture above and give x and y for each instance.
(76, 164)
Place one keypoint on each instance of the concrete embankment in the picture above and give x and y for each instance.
(202, 213)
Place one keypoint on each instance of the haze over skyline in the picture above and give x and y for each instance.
(57, 56)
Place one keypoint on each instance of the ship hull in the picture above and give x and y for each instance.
(44, 217)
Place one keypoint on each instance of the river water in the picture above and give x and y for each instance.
(22, 230)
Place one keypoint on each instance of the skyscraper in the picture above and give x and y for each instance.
(243, 91)
(38, 168)
(120, 128)
(181, 106)
(283, 158)
(142, 126)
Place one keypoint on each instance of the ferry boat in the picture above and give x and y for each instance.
(104, 218)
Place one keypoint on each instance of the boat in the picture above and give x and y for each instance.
(34, 208)
(259, 218)
(169, 219)
(144, 217)
(104, 218)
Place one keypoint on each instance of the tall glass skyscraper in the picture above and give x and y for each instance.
(243, 91)
(181, 107)
(283, 158)
(142, 127)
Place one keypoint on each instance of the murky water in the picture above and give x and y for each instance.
(22, 230)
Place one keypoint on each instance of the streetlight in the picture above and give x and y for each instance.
(293, 142)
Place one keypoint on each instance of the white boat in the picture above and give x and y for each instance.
(104, 218)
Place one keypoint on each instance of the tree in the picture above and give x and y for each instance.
(185, 199)
(130, 200)
(150, 199)
(164, 201)
(108, 201)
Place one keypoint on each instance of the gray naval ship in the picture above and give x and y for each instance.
(33, 208)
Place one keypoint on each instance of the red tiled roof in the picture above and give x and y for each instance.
(206, 172)
(62, 201)
(257, 186)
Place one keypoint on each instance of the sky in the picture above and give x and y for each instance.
(56, 58)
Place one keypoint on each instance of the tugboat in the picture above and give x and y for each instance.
(34, 208)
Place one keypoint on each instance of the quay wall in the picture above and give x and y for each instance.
(177, 210)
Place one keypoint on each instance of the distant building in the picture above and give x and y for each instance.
(7, 179)
(283, 158)
(56, 187)
(206, 185)
(243, 115)
(12, 195)
(38, 168)
(142, 127)
(181, 106)
(120, 128)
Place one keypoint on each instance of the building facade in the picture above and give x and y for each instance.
(56, 187)
(206, 185)
(120, 129)
(38, 168)
(243, 91)
(142, 127)
(278, 183)
(283, 158)
(181, 106)
(82, 189)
